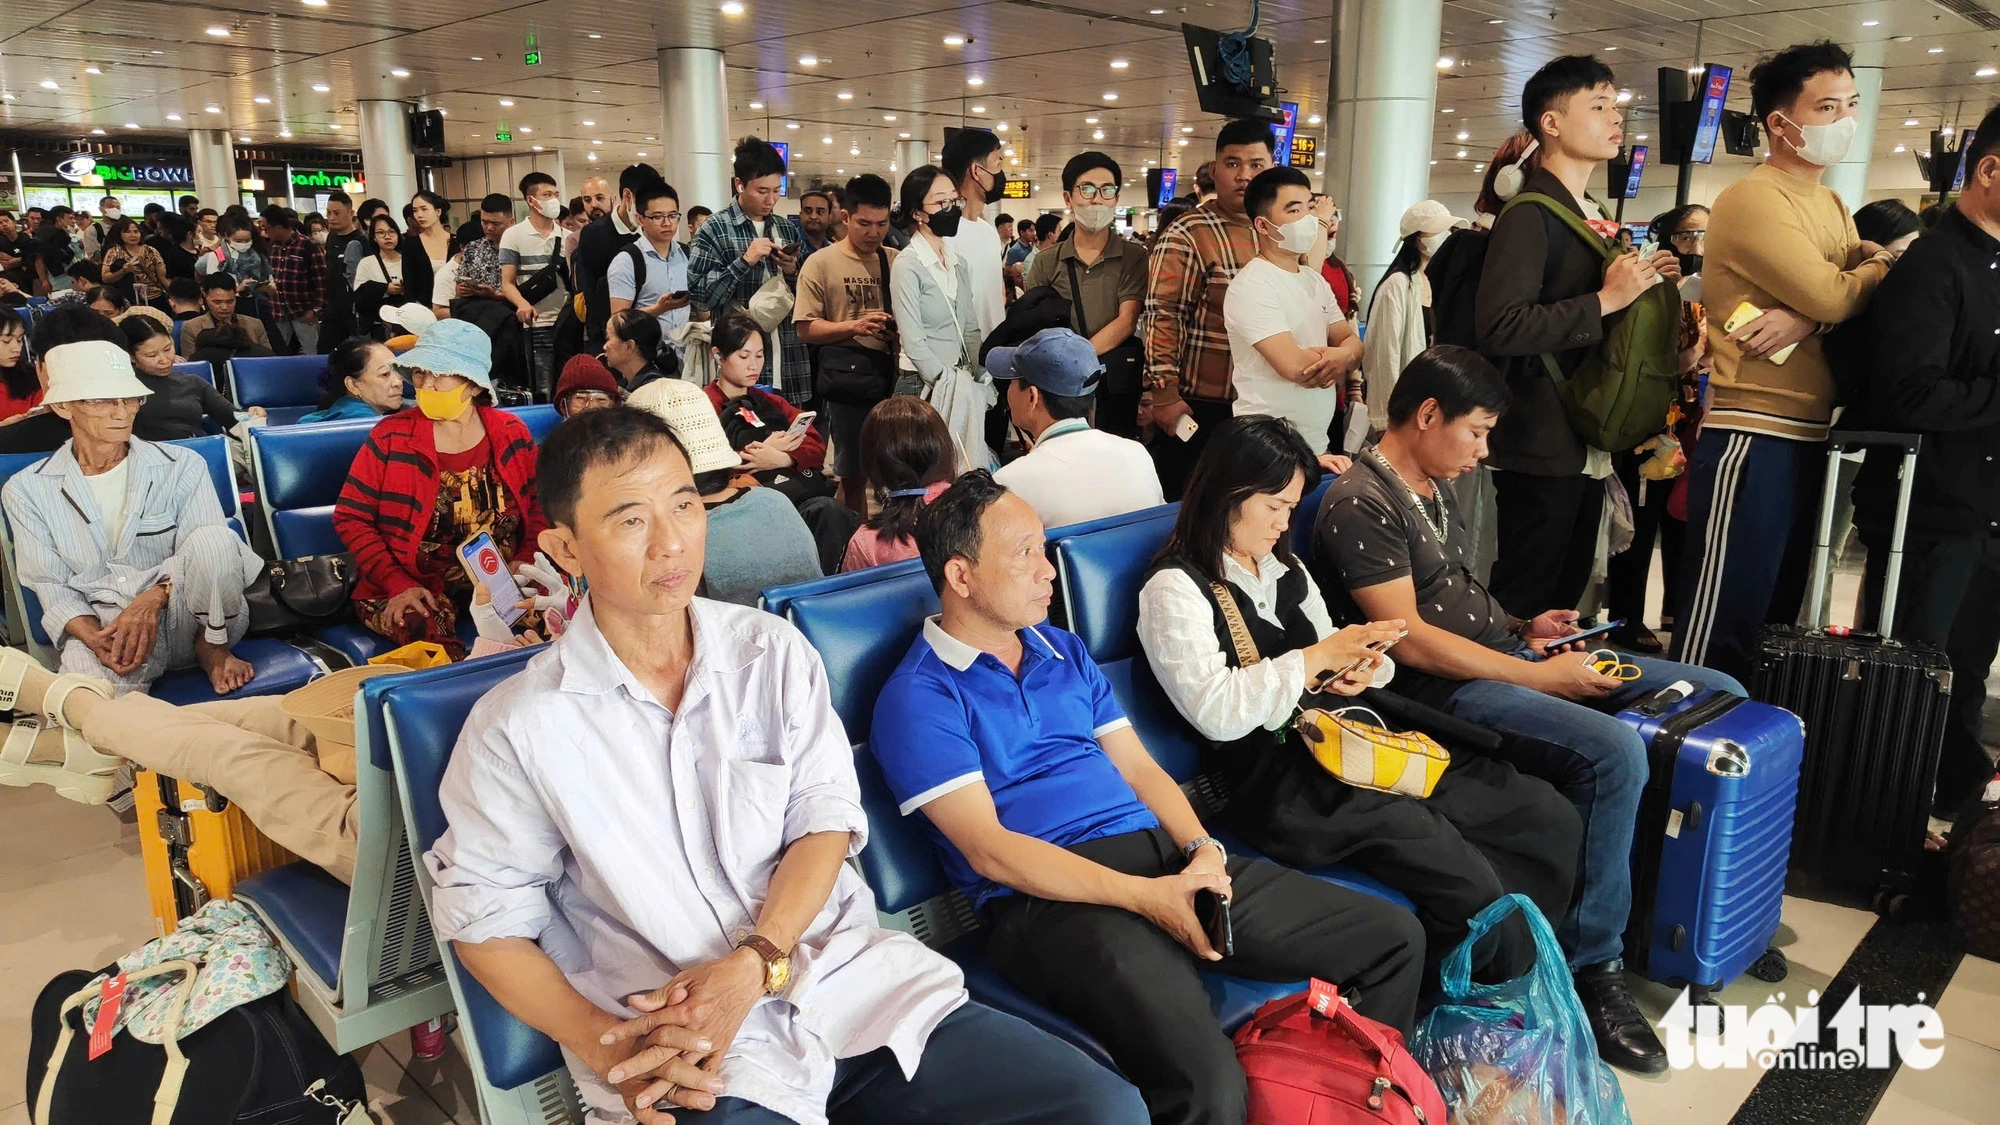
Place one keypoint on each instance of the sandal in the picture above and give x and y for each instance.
(85, 775)
(58, 694)
(14, 666)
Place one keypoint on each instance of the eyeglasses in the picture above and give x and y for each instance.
(662, 216)
(111, 403)
(1688, 236)
(1097, 191)
(589, 396)
(947, 205)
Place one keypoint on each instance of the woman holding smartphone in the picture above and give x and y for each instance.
(1484, 831)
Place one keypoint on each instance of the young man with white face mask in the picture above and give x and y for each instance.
(1109, 270)
(1289, 344)
(1782, 242)
(525, 251)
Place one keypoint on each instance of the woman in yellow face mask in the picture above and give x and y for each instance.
(431, 478)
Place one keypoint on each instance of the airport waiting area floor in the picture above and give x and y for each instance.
(72, 895)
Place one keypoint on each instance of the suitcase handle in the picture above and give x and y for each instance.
(1838, 443)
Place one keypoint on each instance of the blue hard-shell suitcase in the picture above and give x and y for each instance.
(1714, 836)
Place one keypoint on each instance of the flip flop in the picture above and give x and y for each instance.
(85, 776)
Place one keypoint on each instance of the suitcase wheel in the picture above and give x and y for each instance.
(1771, 967)
(1890, 904)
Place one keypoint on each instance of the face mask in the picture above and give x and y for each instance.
(1825, 145)
(1690, 264)
(111, 214)
(239, 248)
(1433, 241)
(1297, 237)
(944, 224)
(994, 194)
(1094, 217)
(549, 208)
(319, 236)
(440, 406)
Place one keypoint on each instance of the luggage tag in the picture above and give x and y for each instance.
(110, 999)
(351, 1113)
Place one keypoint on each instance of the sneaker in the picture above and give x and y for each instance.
(1624, 1038)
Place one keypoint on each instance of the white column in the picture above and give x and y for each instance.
(213, 163)
(910, 156)
(1381, 115)
(1849, 178)
(387, 163)
(694, 126)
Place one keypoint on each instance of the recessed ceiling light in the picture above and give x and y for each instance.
(591, 156)
(975, 81)
(954, 40)
(588, 124)
(156, 52)
(49, 84)
(1479, 167)
(1319, 42)
(1937, 50)
(1643, 136)
(527, 128)
(791, 124)
(756, 105)
(1464, 136)
(649, 138)
(1156, 11)
(1446, 62)
(321, 88)
(6, 97)
(1000, 126)
(262, 99)
(508, 102)
(1183, 142)
(596, 142)
(1491, 22)
(478, 58)
(979, 109)
(854, 151)
(732, 8)
(284, 132)
(845, 95)
(335, 126)
(888, 117)
(1314, 119)
(808, 60)
(1098, 135)
(826, 140)
(173, 117)
(131, 124)
(211, 109)
(1947, 130)
(399, 72)
(243, 140)
(1433, 163)
(313, 3)
(1902, 148)
(1120, 64)
(538, 148)
(1985, 72)
(1461, 154)
(1624, 96)
(97, 132)
(1870, 23)
(1090, 121)
(93, 70)
(219, 31)
(903, 136)
(1610, 48)
(1447, 109)
(1910, 124)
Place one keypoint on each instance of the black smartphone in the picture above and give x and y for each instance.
(1587, 634)
(679, 295)
(1212, 911)
(1328, 678)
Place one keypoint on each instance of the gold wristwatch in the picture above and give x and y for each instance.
(777, 964)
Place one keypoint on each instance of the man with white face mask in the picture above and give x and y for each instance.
(1289, 344)
(527, 251)
(1783, 243)
(1109, 271)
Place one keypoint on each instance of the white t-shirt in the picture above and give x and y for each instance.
(108, 488)
(444, 285)
(371, 269)
(528, 252)
(1075, 473)
(1264, 300)
(979, 244)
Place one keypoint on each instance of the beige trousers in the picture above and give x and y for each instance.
(247, 750)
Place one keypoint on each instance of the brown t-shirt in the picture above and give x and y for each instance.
(836, 285)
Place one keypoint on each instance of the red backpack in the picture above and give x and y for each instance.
(1311, 1058)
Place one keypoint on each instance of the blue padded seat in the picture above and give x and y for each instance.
(300, 471)
(540, 419)
(199, 368)
(779, 599)
(1307, 515)
(309, 907)
(278, 381)
(423, 712)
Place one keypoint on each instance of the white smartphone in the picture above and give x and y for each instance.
(800, 423)
(483, 564)
(1185, 428)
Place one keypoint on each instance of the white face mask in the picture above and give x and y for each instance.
(239, 247)
(112, 212)
(1825, 145)
(1433, 241)
(549, 208)
(1094, 217)
(319, 236)
(1298, 237)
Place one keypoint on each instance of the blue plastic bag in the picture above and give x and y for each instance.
(1519, 1052)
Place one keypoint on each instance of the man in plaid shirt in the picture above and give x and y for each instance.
(741, 248)
(297, 293)
(1187, 347)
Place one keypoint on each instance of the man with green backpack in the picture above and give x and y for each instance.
(1584, 333)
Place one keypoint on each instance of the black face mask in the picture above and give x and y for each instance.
(944, 223)
(994, 194)
(1690, 264)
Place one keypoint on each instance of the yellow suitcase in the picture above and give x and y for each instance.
(192, 852)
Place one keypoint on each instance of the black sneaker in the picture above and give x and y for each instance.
(1624, 1038)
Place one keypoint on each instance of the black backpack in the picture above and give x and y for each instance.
(1454, 276)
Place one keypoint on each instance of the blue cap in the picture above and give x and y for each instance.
(453, 347)
(1056, 360)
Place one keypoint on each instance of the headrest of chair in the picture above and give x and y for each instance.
(306, 466)
(778, 599)
(1307, 515)
(540, 419)
(278, 380)
(862, 633)
(1101, 572)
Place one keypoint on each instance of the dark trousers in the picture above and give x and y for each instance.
(1752, 505)
(1136, 989)
(1628, 571)
(1949, 596)
(1118, 414)
(1548, 540)
(980, 1067)
(1175, 458)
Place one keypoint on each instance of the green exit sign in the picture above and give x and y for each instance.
(532, 58)
(502, 135)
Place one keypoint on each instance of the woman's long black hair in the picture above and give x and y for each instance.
(348, 359)
(642, 331)
(20, 379)
(1409, 257)
(1250, 455)
(904, 445)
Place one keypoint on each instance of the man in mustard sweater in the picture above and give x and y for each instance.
(1783, 242)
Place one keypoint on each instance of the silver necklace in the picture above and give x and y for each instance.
(1440, 526)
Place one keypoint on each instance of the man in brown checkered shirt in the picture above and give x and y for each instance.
(1187, 347)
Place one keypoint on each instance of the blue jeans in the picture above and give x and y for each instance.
(980, 1067)
(1598, 762)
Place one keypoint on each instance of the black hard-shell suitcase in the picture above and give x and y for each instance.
(1874, 709)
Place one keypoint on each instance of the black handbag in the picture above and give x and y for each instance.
(855, 376)
(544, 282)
(292, 595)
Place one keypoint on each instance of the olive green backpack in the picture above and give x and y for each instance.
(1620, 394)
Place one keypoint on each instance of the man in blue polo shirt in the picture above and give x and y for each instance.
(1083, 853)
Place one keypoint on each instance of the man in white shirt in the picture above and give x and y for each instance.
(684, 922)
(525, 251)
(972, 160)
(1288, 341)
(1073, 473)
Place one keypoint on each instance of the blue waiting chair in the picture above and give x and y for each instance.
(1307, 515)
(280, 667)
(520, 1072)
(299, 472)
(540, 419)
(199, 368)
(286, 386)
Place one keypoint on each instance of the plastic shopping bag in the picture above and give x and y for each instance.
(1519, 1052)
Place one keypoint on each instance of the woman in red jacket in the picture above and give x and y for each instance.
(429, 479)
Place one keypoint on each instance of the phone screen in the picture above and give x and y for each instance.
(483, 564)
(1587, 634)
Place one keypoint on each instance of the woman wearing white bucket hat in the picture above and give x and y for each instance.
(123, 541)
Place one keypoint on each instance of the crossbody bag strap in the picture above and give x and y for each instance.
(1239, 631)
(1076, 301)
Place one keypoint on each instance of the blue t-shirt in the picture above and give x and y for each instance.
(951, 715)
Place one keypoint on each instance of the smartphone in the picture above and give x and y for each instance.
(1744, 314)
(483, 564)
(800, 423)
(1587, 634)
(1212, 911)
(678, 295)
(1327, 679)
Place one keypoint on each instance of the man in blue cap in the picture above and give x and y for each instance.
(1052, 382)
